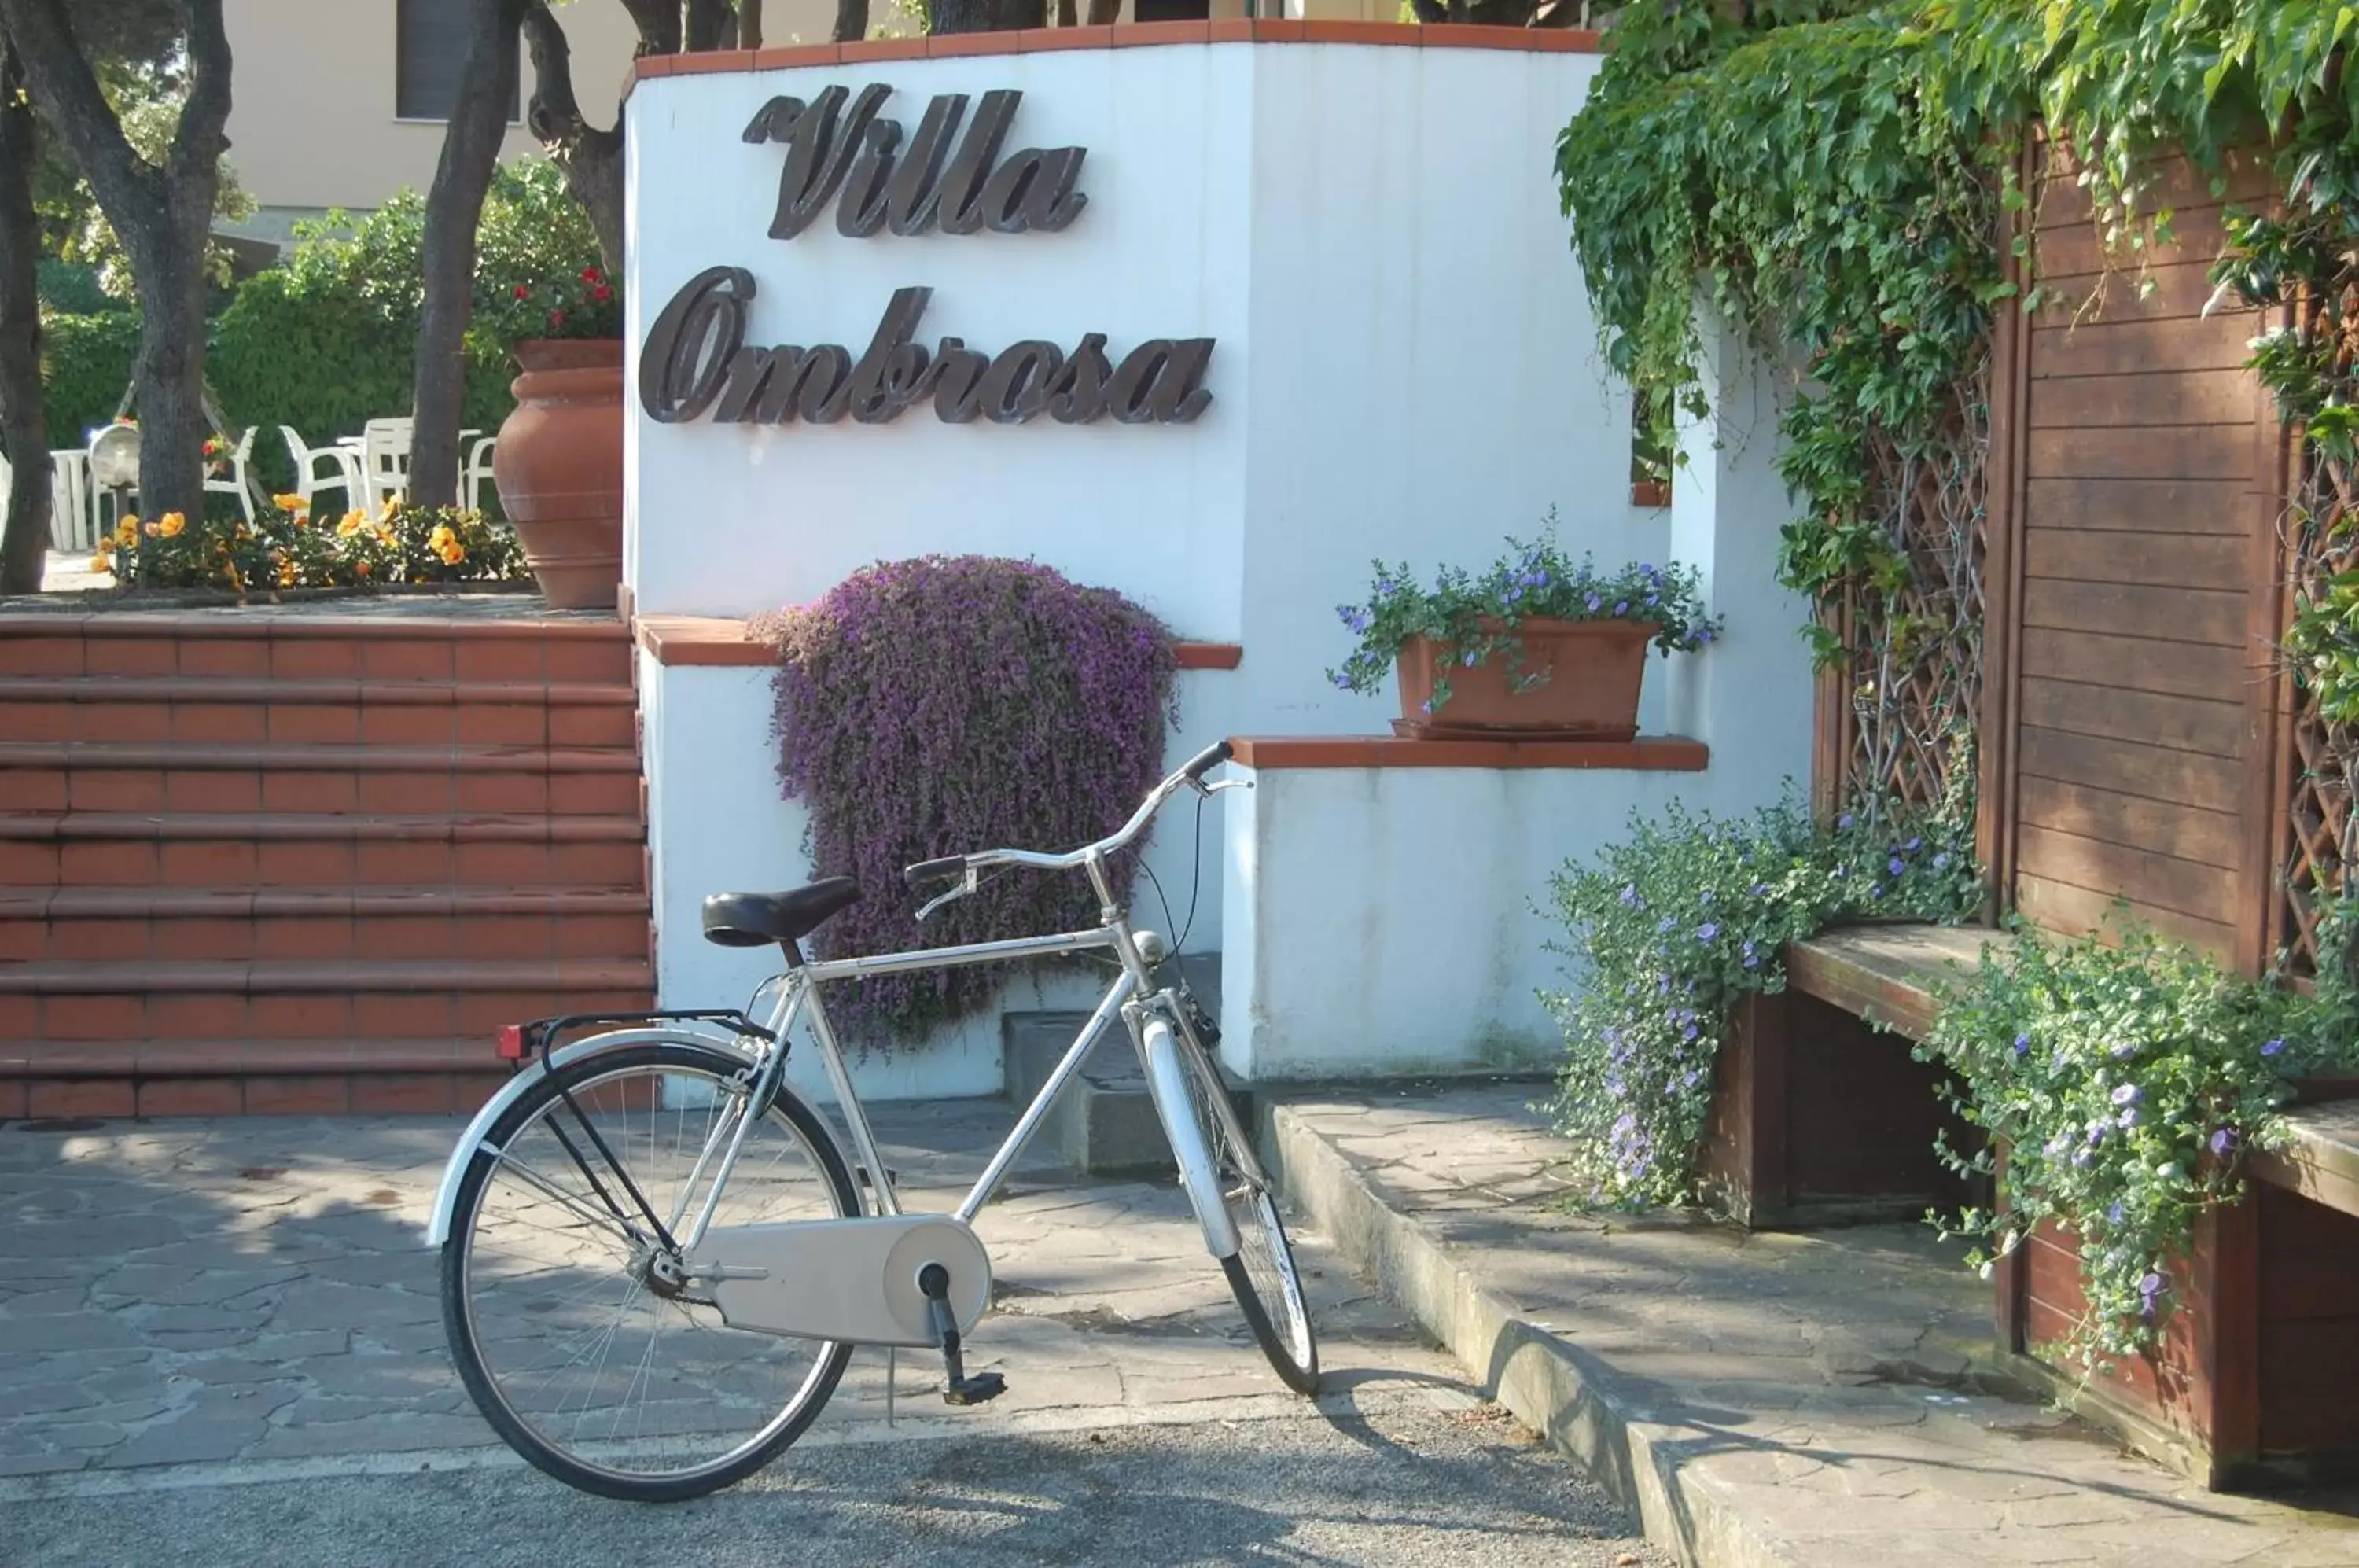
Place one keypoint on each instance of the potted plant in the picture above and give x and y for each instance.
(559, 461)
(1539, 646)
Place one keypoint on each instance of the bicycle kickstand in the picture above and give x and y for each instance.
(934, 1281)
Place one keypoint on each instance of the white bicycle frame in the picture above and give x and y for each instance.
(1149, 1016)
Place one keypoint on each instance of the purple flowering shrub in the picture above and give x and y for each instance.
(1670, 928)
(1474, 618)
(947, 704)
(2125, 1075)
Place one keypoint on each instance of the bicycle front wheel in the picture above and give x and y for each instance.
(595, 1353)
(1261, 1272)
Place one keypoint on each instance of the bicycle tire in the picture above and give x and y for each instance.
(1261, 1272)
(544, 1450)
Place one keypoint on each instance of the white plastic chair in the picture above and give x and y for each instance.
(73, 520)
(234, 481)
(308, 481)
(385, 460)
(474, 468)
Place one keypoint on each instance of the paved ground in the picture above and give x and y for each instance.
(1815, 1398)
(220, 1341)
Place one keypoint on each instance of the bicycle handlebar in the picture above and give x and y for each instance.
(951, 867)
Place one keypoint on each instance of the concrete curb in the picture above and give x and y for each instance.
(1586, 1409)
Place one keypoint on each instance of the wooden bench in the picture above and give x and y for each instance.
(1821, 1116)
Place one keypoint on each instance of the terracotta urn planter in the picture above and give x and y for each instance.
(559, 467)
(1593, 671)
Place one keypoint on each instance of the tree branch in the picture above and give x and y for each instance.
(58, 74)
(592, 159)
(555, 116)
(199, 144)
(658, 25)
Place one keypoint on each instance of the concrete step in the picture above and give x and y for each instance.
(1105, 1123)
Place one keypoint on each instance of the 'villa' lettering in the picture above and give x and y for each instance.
(696, 358)
(855, 158)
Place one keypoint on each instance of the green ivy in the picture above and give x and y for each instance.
(2124, 1077)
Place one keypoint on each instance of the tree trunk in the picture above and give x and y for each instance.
(986, 16)
(851, 21)
(454, 209)
(163, 217)
(592, 159)
(749, 24)
(1103, 13)
(707, 24)
(24, 423)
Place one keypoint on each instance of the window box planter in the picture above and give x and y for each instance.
(1589, 674)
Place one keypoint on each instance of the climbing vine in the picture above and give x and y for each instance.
(1829, 178)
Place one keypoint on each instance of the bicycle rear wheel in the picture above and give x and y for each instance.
(572, 1327)
(1261, 1272)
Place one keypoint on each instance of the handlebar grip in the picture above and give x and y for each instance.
(942, 870)
(1211, 756)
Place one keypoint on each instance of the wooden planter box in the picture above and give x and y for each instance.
(2255, 1380)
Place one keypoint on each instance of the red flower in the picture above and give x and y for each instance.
(522, 292)
(556, 320)
(590, 274)
(602, 293)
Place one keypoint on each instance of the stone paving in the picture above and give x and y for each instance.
(1826, 1399)
(260, 1291)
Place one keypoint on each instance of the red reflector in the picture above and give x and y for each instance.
(512, 1042)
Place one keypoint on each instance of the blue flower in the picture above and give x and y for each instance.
(1913, 846)
(2129, 1116)
(1759, 888)
(2023, 1045)
(1667, 925)
(1622, 608)
(1689, 1033)
(1343, 683)
(2273, 1048)
(1472, 659)
(1896, 866)
(2115, 1214)
(2150, 1288)
(1427, 706)
(1941, 861)
(2222, 1140)
(1630, 895)
(1707, 931)
(1594, 601)
(1843, 821)
(2128, 1094)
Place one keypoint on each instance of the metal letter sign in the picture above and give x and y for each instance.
(839, 148)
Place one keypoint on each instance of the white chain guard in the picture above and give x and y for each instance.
(854, 1280)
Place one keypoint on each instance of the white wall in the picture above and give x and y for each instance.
(1392, 920)
(1406, 368)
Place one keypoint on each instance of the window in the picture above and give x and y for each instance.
(429, 50)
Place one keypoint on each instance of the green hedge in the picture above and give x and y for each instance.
(85, 366)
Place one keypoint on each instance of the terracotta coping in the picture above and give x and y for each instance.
(1041, 40)
(718, 640)
(1647, 754)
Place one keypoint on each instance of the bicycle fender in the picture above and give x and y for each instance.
(1167, 1085)
(472, 1141)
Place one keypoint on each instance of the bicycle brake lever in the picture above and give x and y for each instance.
(951, 896)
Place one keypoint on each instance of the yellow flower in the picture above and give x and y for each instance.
(384, 532)
(152, 530)
(102, 561)
(352, 524)
(392, 505)
(452, 553)
(287, 573)
(171, 523)
(127, 532)
(291, 503)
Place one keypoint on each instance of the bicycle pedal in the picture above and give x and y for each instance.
(979, 1389)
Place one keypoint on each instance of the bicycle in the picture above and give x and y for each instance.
(626, 1144)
